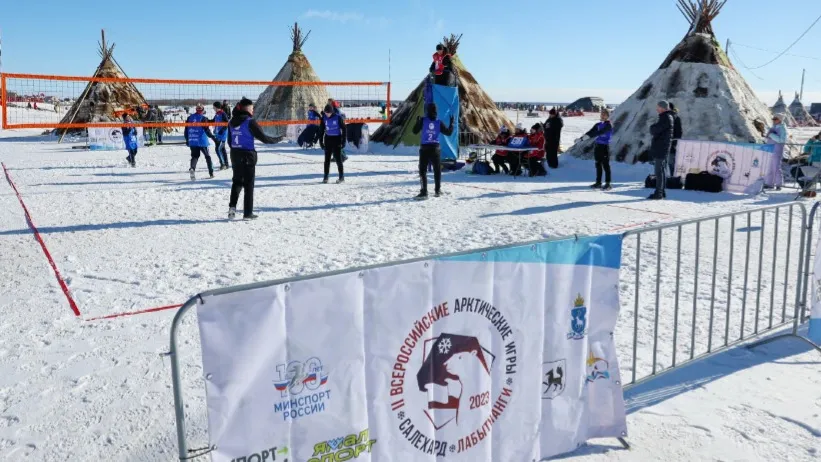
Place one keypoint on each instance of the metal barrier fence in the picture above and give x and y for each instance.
(710, 283)
(735, 277)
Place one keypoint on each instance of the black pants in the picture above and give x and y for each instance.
(534, 164)
(499, 163)
(430, 154)
(245, 163)
(514, 160)
(661, 176)
(222, 153)
(333, 147)
(195, 156)
(552, 153)
(601, 154)
(132, 154)
(159, 135)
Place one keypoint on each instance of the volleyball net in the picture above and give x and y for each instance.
(64, 102)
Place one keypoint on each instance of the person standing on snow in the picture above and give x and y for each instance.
(332, 140)
(662, 132)
(442, 66)
(553, 137)
(160, 119)
(777, 136)
(130, 139)
(196, 138)
(430, 152)
(602, 131)
(677, 134)
(242, 130)
(221, 136)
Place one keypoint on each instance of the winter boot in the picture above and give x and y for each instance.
(340, 181)
(191, 172)
(595, 185)
(438, 193)
(232, 213)
(325, 181)
(421, 196)
(655, 197)
(250, 216)
(606, 187)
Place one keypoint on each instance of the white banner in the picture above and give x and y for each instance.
(815, 314)
(110, 139)
(742, 165)
(506, 355)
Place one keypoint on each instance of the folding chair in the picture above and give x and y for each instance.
(808, 176)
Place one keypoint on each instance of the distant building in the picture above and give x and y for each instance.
(587, 104)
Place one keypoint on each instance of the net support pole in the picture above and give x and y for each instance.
(388, 105)
(4, 100)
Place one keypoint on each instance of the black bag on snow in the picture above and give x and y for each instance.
(704, 181)
(674, 182)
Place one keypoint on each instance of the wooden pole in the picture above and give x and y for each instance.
(803, 74)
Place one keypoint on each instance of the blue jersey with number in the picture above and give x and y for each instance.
(196, 135)
(332, 125)
(221, 133)
(605, 138)
(519, 141)
(130, 138)
(241, 137)
(430, 131)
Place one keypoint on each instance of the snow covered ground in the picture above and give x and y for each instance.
(130, 239)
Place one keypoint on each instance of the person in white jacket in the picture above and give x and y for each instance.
(777, 136)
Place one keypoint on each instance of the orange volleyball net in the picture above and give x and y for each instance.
(75, 103)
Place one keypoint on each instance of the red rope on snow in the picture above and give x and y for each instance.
(37, 236)
(132, 313)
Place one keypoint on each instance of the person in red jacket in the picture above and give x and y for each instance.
(500, 158)
(535, 157)
(442, 66)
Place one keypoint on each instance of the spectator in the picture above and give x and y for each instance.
(442, 66)
(313, 114)
(518, 140)
(226, 109)
(500, 157)
(776, 136)
(602, 131)
(677, 134)
(160, 119)
(662, 132)
(535, 157)
(553, 137)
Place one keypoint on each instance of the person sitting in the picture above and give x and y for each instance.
(442, 66)
(808, 168)
(500, 157)
(518, 140)
(313, 114)
(535, 157)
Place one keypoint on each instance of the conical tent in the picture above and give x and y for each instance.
(103, 101)
(479, 117)
(714, 101)
(800, 113)
(781, 109)
(286, 102)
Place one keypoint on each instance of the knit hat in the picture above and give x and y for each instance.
(664, 105)
(328, 109)
(245, 102)
(553, 111)
(217, 105)
(504, 129)
(520, 126)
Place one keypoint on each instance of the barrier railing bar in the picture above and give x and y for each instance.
(658, 298)
(179, 409)
(787, 269)
(746, 275)
(772, 278)
(636, 307)
(713, 288)
(729, 282)
(810, 227)
(695, 292)
(675, 312)
(760, 270)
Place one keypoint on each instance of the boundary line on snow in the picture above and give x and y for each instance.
(133, 313)
(39, 239)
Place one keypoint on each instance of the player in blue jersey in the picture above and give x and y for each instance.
(221, 136)
(430, 151)
(242, 130)
(332, 140)
(130, 139)
(197, 140)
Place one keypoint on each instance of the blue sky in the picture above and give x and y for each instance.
(540, 50)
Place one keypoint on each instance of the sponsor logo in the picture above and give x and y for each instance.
(721, 163)
(343, 448)
(303, 384)
(578, 321)
(265, 455)
(597, 368)
(116, 135)
(755, 162)
(451, 391)
(554, 378)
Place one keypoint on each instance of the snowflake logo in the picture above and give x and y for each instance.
(509, 381)
(444, 346)
(401, 416)
(452, 448)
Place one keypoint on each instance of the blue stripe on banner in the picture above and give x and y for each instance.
(604, 251)
(815, 330)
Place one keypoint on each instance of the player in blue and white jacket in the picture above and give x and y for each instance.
(221, 136)
(196, 138)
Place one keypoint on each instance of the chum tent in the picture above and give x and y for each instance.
(715, 103)
(781, 109)
(104, 101)
(290, 102)
(479, 117)
(801, 114)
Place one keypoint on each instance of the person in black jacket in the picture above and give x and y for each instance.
(429, 150)
(553, 137)
(677, 134)
(662, 132)
(332, 140)
(242, 130)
